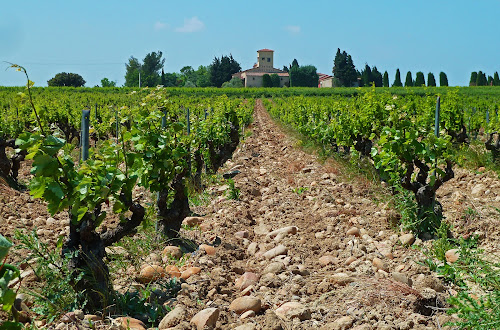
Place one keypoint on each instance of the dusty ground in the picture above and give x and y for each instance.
(337, 276)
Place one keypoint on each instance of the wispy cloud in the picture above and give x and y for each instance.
(294, 29)
(160, 26)
(191, 25)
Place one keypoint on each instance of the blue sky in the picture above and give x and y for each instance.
(96, 38)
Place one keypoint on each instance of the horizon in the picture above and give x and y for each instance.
(95, 40)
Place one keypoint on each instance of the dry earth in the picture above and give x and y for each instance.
(335, 264)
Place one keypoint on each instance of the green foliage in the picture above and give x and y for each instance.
(105, 82)
(303, 76)
(473, 78)
(443, 79)
(496, 79)
(222, 69)
(132, 72)
(419, 79)
(409, 80)
(57, 295)
(232, 191)
(66, 80)
(149, 69)
(7, 274)
(385, 79)
(431, 80)
(267, 81)
(343, 69)
(235, 82)
(300, 190)
(397, 79)
(276, 80)
(481, 79)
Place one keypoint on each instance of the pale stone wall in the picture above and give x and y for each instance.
(253, 81)
(326, 83)
(265, 60)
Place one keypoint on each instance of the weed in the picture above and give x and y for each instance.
(232, 191)
(300, 190)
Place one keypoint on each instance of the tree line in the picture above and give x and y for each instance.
(479, 79)
(346, 75)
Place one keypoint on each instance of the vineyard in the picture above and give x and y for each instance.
(189, 208)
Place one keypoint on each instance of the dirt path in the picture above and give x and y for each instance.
(336, 263)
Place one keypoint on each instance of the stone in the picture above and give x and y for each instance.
(150, 273)
(380, 264)
(192, 221)
(341, 279)
(478, 190)
(350, 260)
(407, 239)
(172, 271)
(279, 250)
(402, 278)
(210, 250)
(206, 319)
(246, 280)
(274, 267)
(252, 248)
(247, 303)
(190, 272)
(92, 317)
(129, 323)
(293, 309)
(282, 232)
(452, 255)
(342, 323)
(247, 314)
(242, 234)
(79, 314)
(116, 251)
(353, 231)
(246, 326)
(327, 260)
(174, 317)
(172, 251)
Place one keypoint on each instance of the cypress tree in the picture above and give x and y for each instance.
(397, 79)
(473, 78)
(267, 81)
(419, 79)
(366, 76)
(443, 79)
(496, 80)
(481, 79)
(386, 79)
(408, 80)
(490, 81)
(431, 81)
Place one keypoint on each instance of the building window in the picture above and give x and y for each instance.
(281, 78)
(263, 58)
(269, 59)
(253, 78)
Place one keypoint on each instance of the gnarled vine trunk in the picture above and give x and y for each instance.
(170, 216)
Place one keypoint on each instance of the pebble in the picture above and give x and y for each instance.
(274, 267)
(452, 255)
(379, 264)
(192, 221)
(293, 309)
(190, 272)
(342, 323)
(247, 314)
(172, 251)
(407, 239)
(129, 323)
(353, 231)
(173, 318)
(210, 250)
(172, 271)
(327, 260)
(246, 280)
(242, 234)
(402, 278)
(279, 250)
(150, 273)
(350, 260)
(206, 319)
(246, 303)
(341, 279)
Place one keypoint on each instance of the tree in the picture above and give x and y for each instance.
(408, 80)
(235, 82)
(496, 80)
(431, 81)
(366, 76)
(443, 79)
(66, 79)
(150, 70)
(419, 79)
(377, 77)
(294, 63)
(473, 78)
(267, 81)
(385, 79)
(221, 70)
(490, 81)
(397, 80)
(105, 82)
(276, 80)
(344, 70)
(303, 76)
(132, 72)
(203, 76)
(481, 79)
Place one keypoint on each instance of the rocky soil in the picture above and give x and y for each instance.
(303, 247)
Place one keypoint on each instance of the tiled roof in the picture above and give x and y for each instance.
(281, 74)
(265, 50)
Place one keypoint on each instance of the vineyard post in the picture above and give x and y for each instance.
(85, 134)
(163, 125)
(206, 114)
(436, 119)
(188, 122)
(189, 133)
(117, 127)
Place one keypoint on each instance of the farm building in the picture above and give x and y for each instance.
(325, 80)
(265, 65)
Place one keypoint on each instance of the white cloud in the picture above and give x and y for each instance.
(191, 25)
(160, 26)
(293, 29)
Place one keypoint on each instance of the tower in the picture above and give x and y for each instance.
(265, 58)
